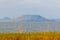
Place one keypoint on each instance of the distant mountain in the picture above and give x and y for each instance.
(29, 18)
(57, 19)
(5, 19)
(32, 18)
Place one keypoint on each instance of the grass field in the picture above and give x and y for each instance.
(30, 36)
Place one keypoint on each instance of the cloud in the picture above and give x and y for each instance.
(58, 3)
(27, 3)
(41, 7)
(10, 3)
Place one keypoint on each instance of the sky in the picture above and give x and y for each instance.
(15, 8)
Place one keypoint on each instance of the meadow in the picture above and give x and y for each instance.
(30, 36)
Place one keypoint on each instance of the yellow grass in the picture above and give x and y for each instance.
(30, 36)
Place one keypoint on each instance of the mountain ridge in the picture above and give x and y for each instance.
(32, 18)
(29, 18)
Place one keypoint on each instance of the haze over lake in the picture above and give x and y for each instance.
(29, 26)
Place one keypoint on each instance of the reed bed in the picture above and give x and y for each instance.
(30, 36)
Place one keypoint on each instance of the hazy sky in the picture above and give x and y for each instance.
(15, 8)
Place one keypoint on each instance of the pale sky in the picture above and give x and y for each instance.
(14, 8)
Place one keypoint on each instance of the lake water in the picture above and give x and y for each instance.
(29, 26)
